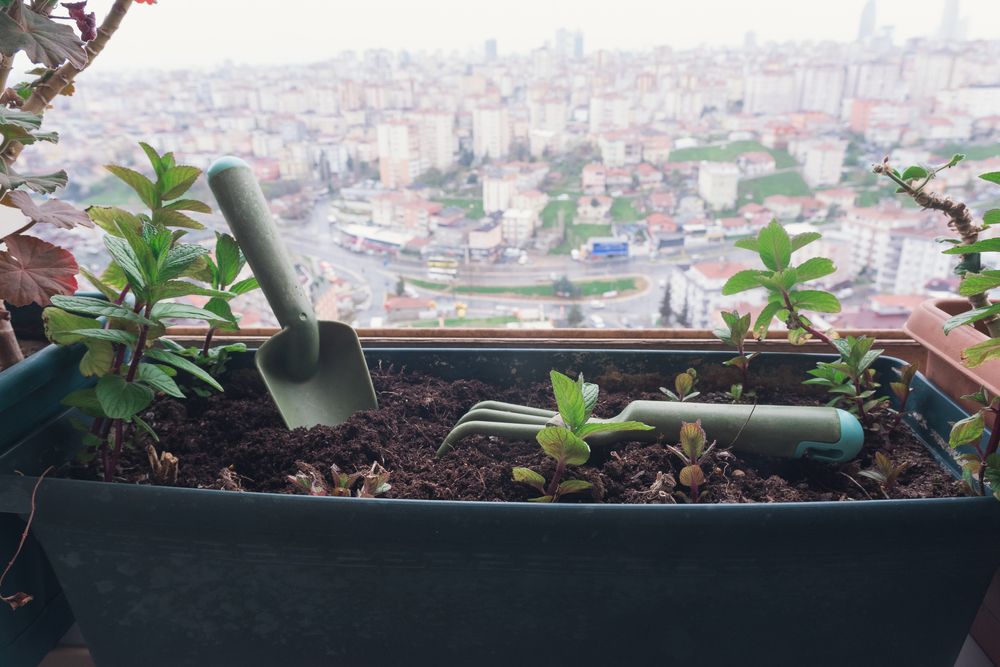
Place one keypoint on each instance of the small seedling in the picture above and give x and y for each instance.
(901, 388)
(979, 464)
(309, 480)
(851, 380)
(885, 472)
(691, 450)
(565, 443)
(684, 384)
(735, 393)
(735, 332)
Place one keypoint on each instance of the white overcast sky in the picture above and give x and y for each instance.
(191, 33)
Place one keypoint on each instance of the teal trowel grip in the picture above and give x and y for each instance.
(243, 205)
(829, 434)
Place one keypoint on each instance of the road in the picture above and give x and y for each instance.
(376, 277)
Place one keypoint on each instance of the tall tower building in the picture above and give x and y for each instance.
(951, 27)
(490, 48)
(866, 28)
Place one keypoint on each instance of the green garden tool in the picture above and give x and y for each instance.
(827, 434)
(315, 371)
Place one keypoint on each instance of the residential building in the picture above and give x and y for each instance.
(498, 191)
(696, 292)
(824, 163)
(491, 132)
(770, 93)
(518, 226)
(398, 154)
(718, 184)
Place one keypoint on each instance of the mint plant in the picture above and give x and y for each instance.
(851, 380)
(788, 297)
(885, 472)
(979, 464)
(565, 442)
(684, 384)
(148, 262)
(693, 453)
(735, 332)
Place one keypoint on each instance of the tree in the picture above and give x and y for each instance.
(574, 317)
(564, 287)
(665, 311)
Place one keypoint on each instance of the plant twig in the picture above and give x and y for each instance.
(959, 219)
(47, 90)
(20, 599)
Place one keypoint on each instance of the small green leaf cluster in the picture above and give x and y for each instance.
(693, 450)
(902, 389)
(684, 384)
(851, 380)
(885, 472)
(785, 284)
(309, 480)
(979, 464)
(565, 442)
(735, 332)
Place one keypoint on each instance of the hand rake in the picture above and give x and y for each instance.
(829, 434)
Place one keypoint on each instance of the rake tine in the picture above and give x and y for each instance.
(513, 407)
(500, 429)
(486, 415)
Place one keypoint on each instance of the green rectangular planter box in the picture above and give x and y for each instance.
(177, 577)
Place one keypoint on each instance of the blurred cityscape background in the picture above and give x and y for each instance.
(564, 185)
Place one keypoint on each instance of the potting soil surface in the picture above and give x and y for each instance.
(236, 440)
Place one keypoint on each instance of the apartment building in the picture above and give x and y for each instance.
(718, 184)
(491, 132)
(696, 292)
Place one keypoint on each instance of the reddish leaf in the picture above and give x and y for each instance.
(32, 270)
(53, 211)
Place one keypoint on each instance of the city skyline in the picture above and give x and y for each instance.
(516, 26)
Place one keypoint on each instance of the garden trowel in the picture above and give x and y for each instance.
(315, 371)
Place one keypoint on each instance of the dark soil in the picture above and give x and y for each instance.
(237, 440)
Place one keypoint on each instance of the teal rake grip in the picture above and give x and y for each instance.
(786, 431)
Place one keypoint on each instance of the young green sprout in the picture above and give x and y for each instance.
(885, 472)
(851, 380)
(979, 464)
(566, 443)
(684, 383)
(309, 480)
(735, 332)
(901, 389)
(692, 452)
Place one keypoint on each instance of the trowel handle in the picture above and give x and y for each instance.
(787, 431)
(243, 205)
